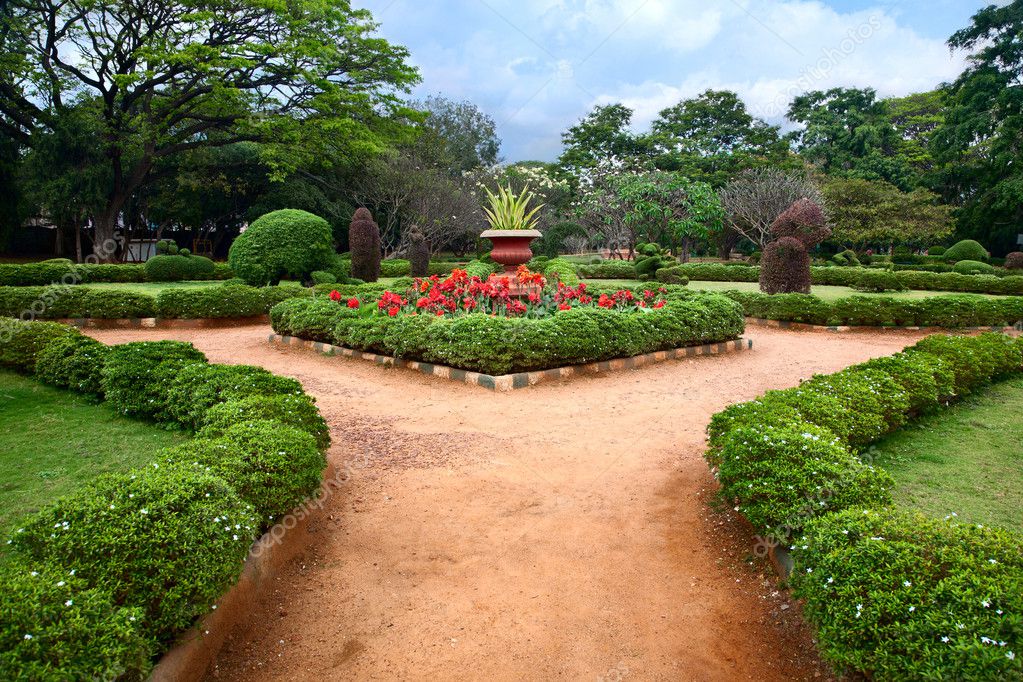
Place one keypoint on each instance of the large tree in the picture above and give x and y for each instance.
(602, 135)
(754, 199)
(458, 136)
(712, 137)
(849, 132)
(980, 141)
(306, 77)
(866, 212)
(916, 118)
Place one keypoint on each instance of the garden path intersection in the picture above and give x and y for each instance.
(561, 531)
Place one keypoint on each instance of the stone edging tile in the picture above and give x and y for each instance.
(510, 382)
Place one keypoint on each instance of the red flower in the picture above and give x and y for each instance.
(353, 303)
(564, 306)
(659, 305)
(392, 311)
(335, 295)
(534, 297)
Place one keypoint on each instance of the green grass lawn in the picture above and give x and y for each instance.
(54, 441)
(827, 293)
(152, 288)
(967, 460)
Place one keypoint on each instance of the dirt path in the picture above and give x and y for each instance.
(561, 531)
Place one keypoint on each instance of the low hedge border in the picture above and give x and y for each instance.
(65, 272)
(800, 326)
(892, 594)
(165, 323)
(511, 382)
(110, 536)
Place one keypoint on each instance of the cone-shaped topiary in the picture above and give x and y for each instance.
(419, 254)
(364, 241)
(287, 244)
(785, 267)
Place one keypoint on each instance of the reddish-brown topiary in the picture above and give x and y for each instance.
(1014, 261)
(785, 266)
(364, 241)
(419, 254)
(803, 220)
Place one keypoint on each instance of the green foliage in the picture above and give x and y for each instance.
(286, 244)
(115, 535)
(137, 377)
(22, 342)
(272, 466)
(499, 345)
(178, 268)
(74, 362)
(896, 595)
(602, 134)
(509, 211)
(482, 270)
(782, 476)
(228, 301)
(974, 361)
(878, 281)
(967, 249)
(672, 275)
(51, 272)
(323, 277)
(876, 212)
(298, 411)
(395, 267)
(55, 627)
(973, 267)
(198, 387)
(936, 251)
(608, 269)
(564, 271)
(553, 241)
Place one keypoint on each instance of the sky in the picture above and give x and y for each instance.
(538, 66)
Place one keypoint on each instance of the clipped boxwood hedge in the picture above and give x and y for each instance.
(69, 274)
(893, 595)
(500, 345)
(101, 581)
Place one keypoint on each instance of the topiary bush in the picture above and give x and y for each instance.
(197, 387)
(609, 269)
(785, 267)
(271, 466)
(137, 377)
(1014, 261)
(364, 240)
(286, 244)
(973, 267)
(298, 411)
(672, 275)
(167, 540)
(55, 627)
(75, 363)
(323, 277)
(563, 270)
(178, 268)
(936, 251)
(419, 255)
(22, 342)
(967, 249)
(896, 595)
(877, 281)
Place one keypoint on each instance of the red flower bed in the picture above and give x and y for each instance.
(460, 294)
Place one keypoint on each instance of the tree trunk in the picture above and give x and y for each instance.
(78, 241)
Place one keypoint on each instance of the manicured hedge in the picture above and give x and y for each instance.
(499, 345)
(215, 301)
(893, 595)
(848, 277)
(67, 273)
(951, 312)
(609, 269)
(104, 579)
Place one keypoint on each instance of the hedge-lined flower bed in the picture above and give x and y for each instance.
(67, 273)
(216, 301)
(479, 328)
(102, 581)
(951, 312)
(848, 277)
(893, 595)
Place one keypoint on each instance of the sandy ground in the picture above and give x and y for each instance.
(564, 531)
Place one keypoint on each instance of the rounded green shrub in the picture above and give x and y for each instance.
(896, 595)
(75, 363)
(55, 627)
(286, 244)
(179, 268)
(272, 466)
(973, 360)
(784, 475)
(936, 251)
(167, 540)
(561, 269)
(323, 277)
(137, 377)
(877, 281)
(967, 249)
(22, 342)
(298, 411)
(973, 267)
(672, 275)
(197, 387)
(927, 379)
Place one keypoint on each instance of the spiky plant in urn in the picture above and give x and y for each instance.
(512, 229)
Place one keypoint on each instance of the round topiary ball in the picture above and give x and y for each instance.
(286, 244)
(966, 250)
(973, 267)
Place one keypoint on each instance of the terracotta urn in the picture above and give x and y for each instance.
(511, 247)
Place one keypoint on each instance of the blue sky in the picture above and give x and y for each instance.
(537, 66)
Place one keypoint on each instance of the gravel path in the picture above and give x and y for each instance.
(561, 531)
